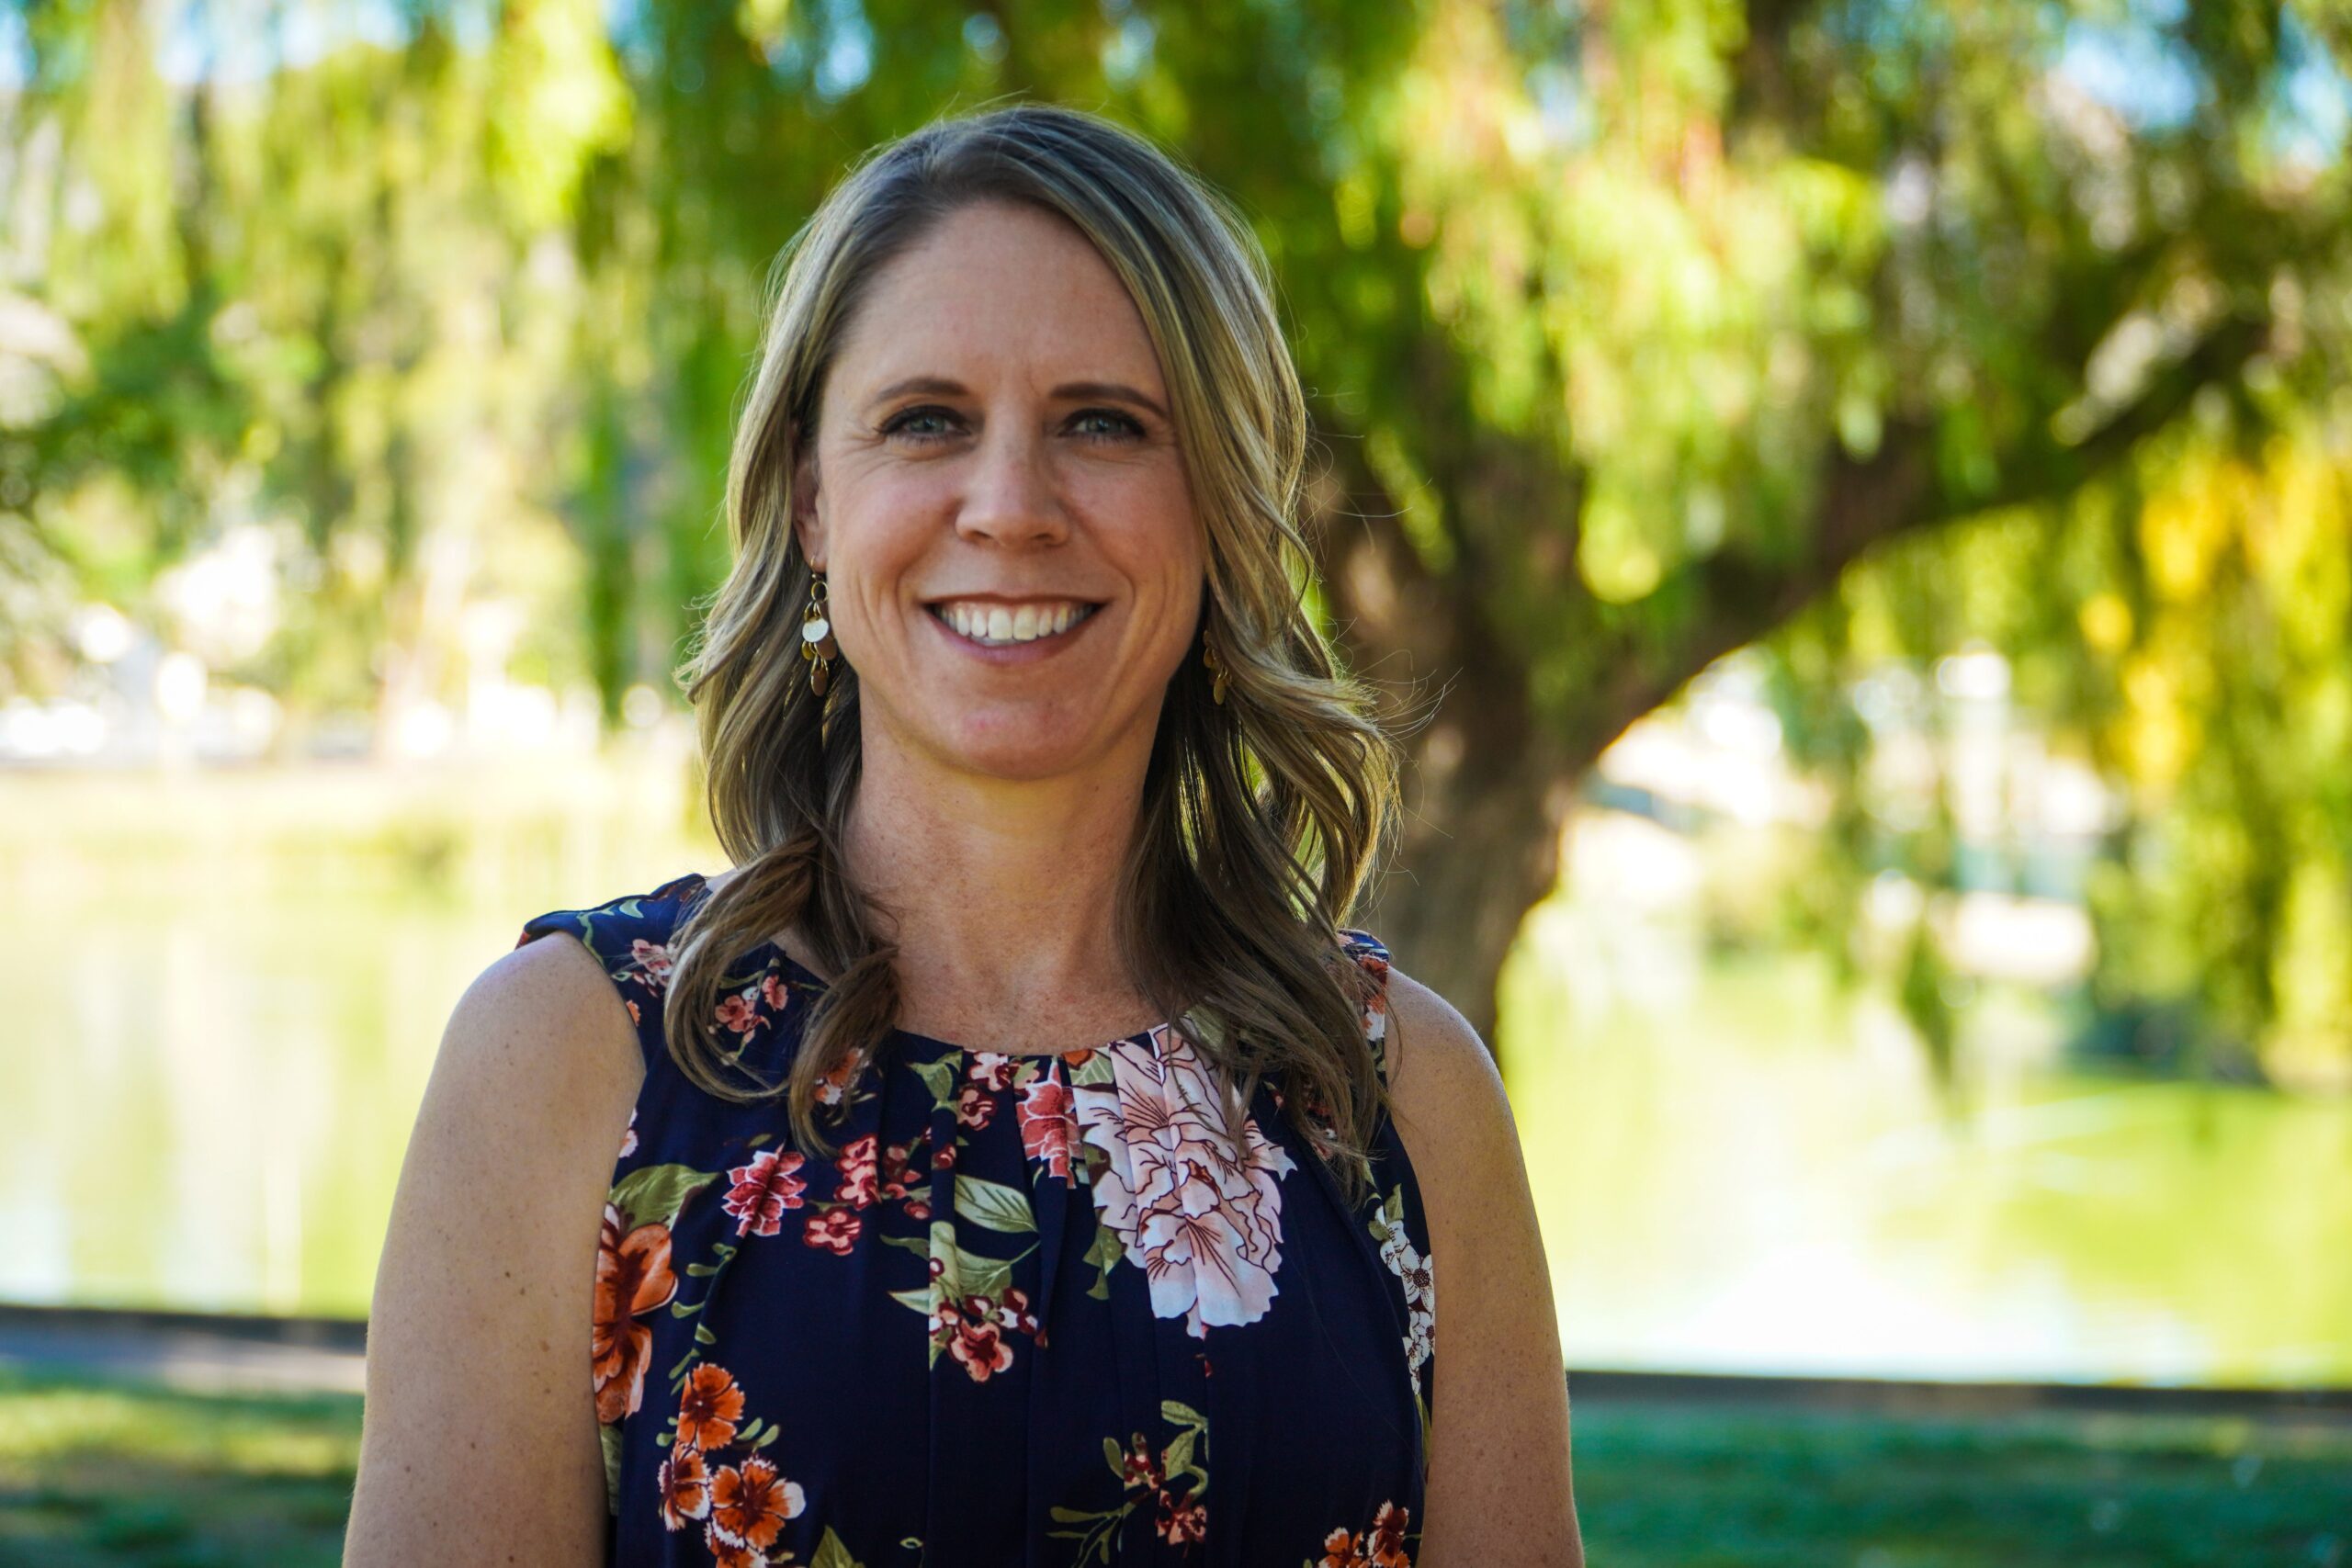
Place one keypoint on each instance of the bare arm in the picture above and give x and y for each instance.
(1499, 1489)
(479, 1442)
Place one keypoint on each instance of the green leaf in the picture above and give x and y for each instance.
(1178, 1457)
(702, 1336)
(993, 1204)
(831, 1553)
(1096, 1069)
(610, 1435)
(925, 1301)
(1176, 1413)
(1118, 1458)
(657, 1194)
(945, 1076)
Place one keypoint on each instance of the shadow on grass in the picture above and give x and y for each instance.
(108, 1471)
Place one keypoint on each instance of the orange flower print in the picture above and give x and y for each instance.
(725, 1554)
(833, 1087)
(1383, 1546)
(763, 1189)
(708, 1407)
(773, 992)
(1388, 1544)
(835, 1228)
(632, 1277)
(685, 1481)
(629, 1138)
(750, 1501)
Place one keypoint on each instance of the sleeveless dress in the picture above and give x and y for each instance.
(1037, 1310)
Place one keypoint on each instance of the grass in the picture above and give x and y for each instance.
(106, 1472)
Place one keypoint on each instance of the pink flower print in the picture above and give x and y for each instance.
(855, 1162)
(1182, 1523)
(763, 1189)
(974, 1106)
(774, 991)
(1203, 1220)
(991, 1069)
(835, 1228)
(917, 1209)
(895, 1182)
(739, 1013)
(1048, 1126)
(648, 963)
(943, 1157)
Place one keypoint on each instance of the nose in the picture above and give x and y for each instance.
(1012, 499)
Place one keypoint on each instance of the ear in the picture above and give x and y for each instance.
(808, 525)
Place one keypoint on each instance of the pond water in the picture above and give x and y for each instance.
(207, 1100)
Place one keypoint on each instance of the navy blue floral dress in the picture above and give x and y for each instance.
(1038, 1311)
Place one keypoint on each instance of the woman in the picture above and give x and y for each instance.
(1014, 1148)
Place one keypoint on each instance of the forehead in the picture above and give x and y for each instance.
(996, 290)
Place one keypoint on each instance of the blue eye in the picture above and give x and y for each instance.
(1123, 426)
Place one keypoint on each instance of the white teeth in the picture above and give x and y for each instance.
(995, 626)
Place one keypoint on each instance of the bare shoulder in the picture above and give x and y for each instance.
(1499, 1488)
(488, 1272)
(1441, 1077)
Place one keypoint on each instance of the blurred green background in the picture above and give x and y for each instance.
(1857, 497)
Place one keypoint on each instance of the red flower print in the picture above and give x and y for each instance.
(763, 1189)
(1143, 1466)
(1014, 1312)
(855, 1162)
(981, 1348)
(974, 1106)
(1387, 1543)
(650, 961)
(943, 1157)
(1182, 1523)
(739, 1013)
(750, 1501)
(991, 1069)
(708, 1407)
(836, 1228)
(684, 1482)
(917, 1209)
(1048, 1124)
(632, 1277)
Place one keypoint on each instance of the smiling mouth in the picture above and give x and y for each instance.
(990, 624)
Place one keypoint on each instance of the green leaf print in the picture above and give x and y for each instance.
(657, 1193)
(611, 1435)
(993, 1204)
(945, 1078)
(1104, 1252)
(1095, 1070)
(831, 1553)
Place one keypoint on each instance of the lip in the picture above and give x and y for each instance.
(1014, 653)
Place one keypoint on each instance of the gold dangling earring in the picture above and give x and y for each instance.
(816, 644)
(1218, 672)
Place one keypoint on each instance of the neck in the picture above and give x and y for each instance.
(1003, 893)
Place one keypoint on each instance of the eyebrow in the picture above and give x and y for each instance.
(941, 386)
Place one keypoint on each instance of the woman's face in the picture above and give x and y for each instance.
(993, 460)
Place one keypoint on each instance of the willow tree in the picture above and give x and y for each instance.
(1638, 332)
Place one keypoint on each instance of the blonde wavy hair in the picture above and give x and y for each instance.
(1261, 817)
